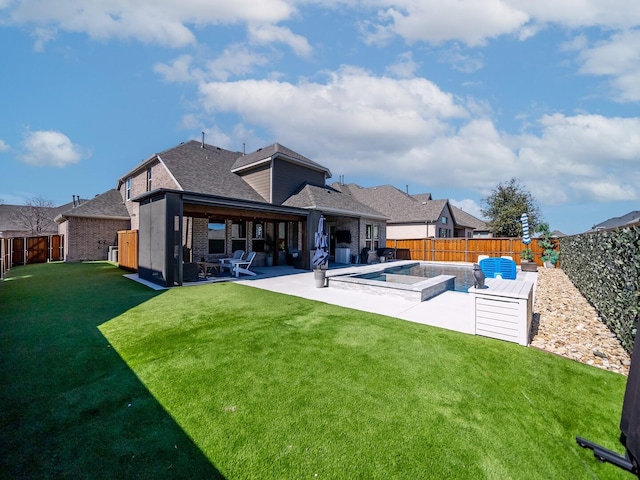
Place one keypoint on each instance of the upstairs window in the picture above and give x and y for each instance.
(149, 179)
(128, 189)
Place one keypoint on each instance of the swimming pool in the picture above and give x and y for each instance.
(415, 281)
(463, 274)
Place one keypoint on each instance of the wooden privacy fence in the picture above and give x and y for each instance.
(128, 249)
(26, 250)
(462, 249)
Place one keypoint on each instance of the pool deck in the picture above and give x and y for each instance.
(450, 310)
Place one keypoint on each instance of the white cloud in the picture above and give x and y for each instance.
(613, 14)
(468, 205)
(460, 61)
(352, 107)
(177, 71)
(404, 67)
(4, 147)
(472, 22)
(162, 22)
(267, 34)
(404, 129)
(619, 59)
(236, 60)
(50, 148)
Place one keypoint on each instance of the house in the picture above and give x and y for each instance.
(90, 227)
(415, 216)
(199, 202)
(631, 218)
(28, 220)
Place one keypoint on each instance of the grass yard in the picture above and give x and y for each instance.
(104, 378)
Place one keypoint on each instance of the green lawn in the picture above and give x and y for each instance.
(104, 378)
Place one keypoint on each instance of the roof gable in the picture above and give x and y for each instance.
(106, 205)
(329, 199)
(265, 154)
(203, 168)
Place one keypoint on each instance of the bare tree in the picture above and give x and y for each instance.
(36, 215)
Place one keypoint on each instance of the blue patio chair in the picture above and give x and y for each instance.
(495, 267)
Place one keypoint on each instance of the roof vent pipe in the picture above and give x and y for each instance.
(407, 188)
(202, 146)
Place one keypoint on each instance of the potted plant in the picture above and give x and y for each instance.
(547, 243)
(526, 261)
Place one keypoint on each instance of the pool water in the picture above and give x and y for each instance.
(464, 275)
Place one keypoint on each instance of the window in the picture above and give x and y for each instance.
(257, 243)
(239, 235)
(372, 237)
(444, 233)
(128, 189)
(217, 237)
(149, 179)
(444, 220)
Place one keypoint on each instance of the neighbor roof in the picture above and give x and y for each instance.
(628, 219)
(465, 219)
(10, 218)
(394, 203)
(330, 200)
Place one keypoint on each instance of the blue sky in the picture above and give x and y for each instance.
(440, 96)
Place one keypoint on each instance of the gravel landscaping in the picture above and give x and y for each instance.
(566, 324)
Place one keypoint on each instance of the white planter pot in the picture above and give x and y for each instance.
(319, 276)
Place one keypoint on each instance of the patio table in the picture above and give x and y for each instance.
(207, 268)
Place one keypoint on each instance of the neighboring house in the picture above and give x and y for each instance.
(90, 227)
(468, 225)
(197, 201)
(631, 218)
(28, 221)
(415, 216)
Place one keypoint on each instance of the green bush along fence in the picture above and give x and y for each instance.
(605, 266)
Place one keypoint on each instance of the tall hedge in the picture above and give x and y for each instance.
(605, 267)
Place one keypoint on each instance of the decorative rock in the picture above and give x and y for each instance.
(566, 324)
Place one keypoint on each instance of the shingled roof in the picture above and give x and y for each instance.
(12, 219)
(330, 200)
(273, 151)
(465, 219)
(394, 203)
(207, 169)
(106, 205)
(630, 218)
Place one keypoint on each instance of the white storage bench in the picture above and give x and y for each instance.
(504, 310)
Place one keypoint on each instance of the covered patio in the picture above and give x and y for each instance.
(179, 229)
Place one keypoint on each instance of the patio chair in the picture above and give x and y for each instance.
(225, 263)
(497, 267)
(242, 266)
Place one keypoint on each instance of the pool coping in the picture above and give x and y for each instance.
(416, 289)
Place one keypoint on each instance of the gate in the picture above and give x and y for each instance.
(27, 250)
